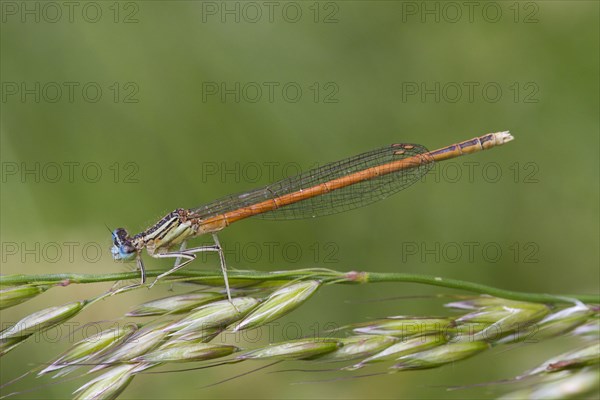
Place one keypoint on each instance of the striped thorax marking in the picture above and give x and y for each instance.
(171, 230)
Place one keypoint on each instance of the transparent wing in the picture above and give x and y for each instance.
(346, 198)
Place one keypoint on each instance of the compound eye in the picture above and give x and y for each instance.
(120, 233)
(120, 236)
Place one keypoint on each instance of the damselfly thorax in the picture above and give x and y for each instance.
(172, 230)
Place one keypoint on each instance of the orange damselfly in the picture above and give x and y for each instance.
(332, 188)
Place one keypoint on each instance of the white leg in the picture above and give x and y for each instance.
(189, 258)
(178, 260)
(140, 266)
(189, 255)
(181, 249)
(223, 266)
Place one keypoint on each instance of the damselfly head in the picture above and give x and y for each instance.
(122, 249)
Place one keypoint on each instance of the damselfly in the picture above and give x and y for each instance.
(332, 188)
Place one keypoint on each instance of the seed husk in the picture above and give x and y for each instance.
(280, 303)
(142, 341)
(566, 385)
(576, 359)
(302, 349)
(174, 304)
(402, 326)
(186, 352)
(42, 320)
(87, 349)
(7, 345)
(217, 314)
(107, 386)
(440, 355)
(485, 301)
(201, 335)
(404, 347)
(11, 296)
(589, 330)
(552, 325)
(359, 346)
(503, 320)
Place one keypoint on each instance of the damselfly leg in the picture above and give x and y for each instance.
(223, 266)
(178, 259)
(181, 249)
(140, 266)
(190, 255)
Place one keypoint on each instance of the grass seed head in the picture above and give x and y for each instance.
(42, 320)
(576, 359)
(11, 296)
(485, 301)
(440, 355)
(302, 349)
(141, 342)
(201, 335)
(185, 352)
(552, 325)
(174, 304)
(564, 385)
(359, 346)
(8, 344)
(511, 320)
(87, 349)
(280, 303)
(495, 321)
(589, 330)
(217, 314)
(404, 347)
(107, 386)
(405, 326)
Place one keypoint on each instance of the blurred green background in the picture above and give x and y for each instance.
(164, 112)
